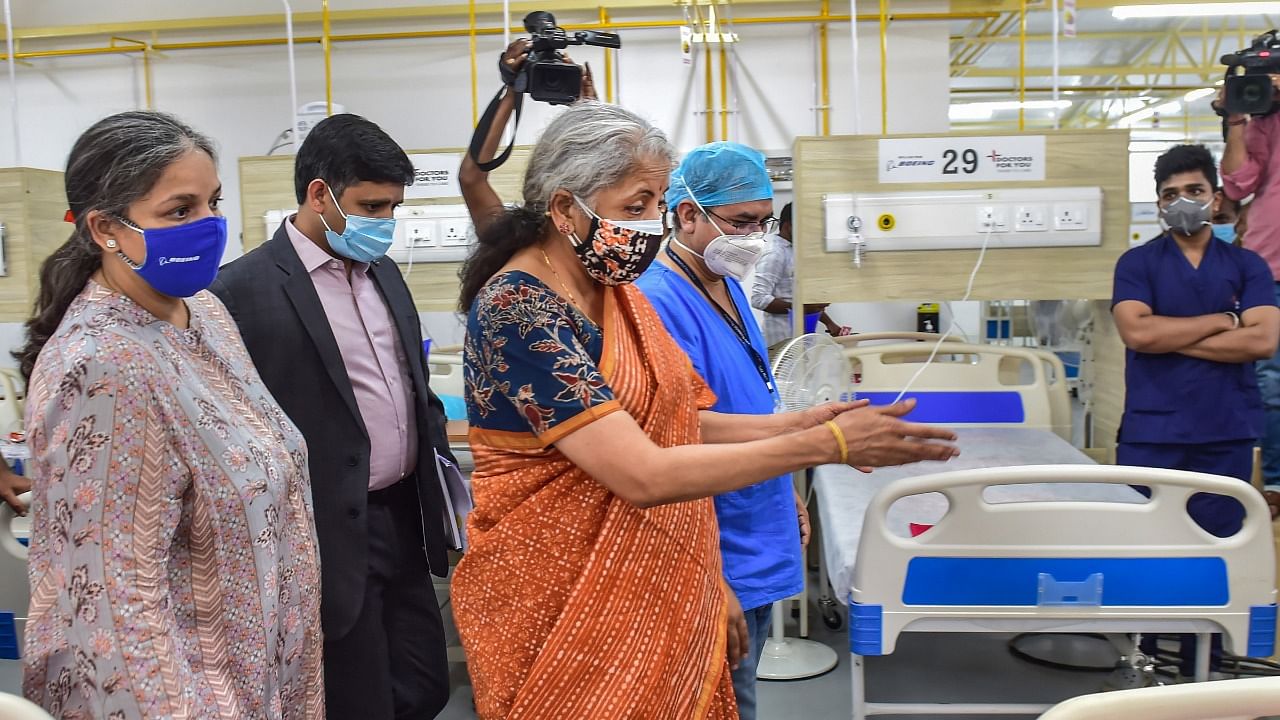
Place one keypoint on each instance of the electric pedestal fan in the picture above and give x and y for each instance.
(810, 370)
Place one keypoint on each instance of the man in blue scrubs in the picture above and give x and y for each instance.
(720, 199)
(1194, 314)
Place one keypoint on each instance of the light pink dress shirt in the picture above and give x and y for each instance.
(1259, 177)
(373, 356)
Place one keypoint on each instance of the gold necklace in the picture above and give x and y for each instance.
(563, 284)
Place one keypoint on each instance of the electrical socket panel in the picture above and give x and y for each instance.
(1030, 218)
(961, 219)
(993, 218)
(1070, 216)
(431, 233)
(454, 232)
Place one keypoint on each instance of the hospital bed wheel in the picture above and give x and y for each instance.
(831, 616)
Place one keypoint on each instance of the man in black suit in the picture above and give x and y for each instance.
(334, 333)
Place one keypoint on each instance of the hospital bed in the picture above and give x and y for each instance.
(14, 591)
(13, 707)
(1061, 548)
(966, 385)
(446, 380)
(1224, 700)
(14, 403)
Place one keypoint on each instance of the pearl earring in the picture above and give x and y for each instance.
(111, 244)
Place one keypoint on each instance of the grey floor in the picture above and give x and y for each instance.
(924, 668)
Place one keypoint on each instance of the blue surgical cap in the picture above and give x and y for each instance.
(720, 173)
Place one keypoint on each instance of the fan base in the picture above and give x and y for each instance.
(794, 659)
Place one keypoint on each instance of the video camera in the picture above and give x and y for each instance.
(546, 76)
(1251, 92)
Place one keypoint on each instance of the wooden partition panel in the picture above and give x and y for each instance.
(266, 183)
(849, 164)
(33, 204)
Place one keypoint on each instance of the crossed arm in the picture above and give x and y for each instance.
(1207, 337)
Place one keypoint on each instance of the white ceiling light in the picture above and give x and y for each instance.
(984, 110)
(1169, 108)
(1150, 146)
(1204, 9)
(1195, 95)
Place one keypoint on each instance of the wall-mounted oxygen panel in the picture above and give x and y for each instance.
(951, 219)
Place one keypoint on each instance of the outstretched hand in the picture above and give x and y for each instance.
(819, 414)
(877, 437)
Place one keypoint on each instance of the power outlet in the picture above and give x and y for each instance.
(993, 218)
(454, 231)
(1070, 216)
(419, 233)
(1030, 218)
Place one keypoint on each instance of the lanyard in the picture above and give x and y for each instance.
(738, 330)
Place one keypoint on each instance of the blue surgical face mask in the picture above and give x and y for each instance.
(1226, 232)
(365, 239)
(181, 260)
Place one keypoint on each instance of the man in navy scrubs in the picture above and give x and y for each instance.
(1195, 314)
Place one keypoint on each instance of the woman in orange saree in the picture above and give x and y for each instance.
(592, 585)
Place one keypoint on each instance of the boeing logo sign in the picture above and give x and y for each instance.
(960, 159)
(906, 162)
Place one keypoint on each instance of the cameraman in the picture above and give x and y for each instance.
(482, 202)
(1249, 165)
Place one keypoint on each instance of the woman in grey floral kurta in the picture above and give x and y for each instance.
(173, 562)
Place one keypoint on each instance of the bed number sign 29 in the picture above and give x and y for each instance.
(1017, 158)
(955, 161)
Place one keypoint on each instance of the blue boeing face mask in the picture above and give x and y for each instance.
(181, 260)
(365, 239)
(1226, 232)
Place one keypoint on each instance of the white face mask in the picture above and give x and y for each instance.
(728, 255)
(731, 255)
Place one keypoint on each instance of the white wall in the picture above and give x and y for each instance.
(420, 90)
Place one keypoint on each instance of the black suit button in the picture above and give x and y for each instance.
(353, 461)
(353, 513)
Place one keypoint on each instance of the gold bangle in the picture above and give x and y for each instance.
(839, 434)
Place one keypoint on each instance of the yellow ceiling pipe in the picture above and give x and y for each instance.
(1022, 67)
(395, 14)
(706, 55)
(326, 46)
(475, 74)
(884, 67)
(824, 79)
(445, 11)
(424, 34)
(146, 67)
(608, 61)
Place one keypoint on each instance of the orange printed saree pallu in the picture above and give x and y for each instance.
(571, 602)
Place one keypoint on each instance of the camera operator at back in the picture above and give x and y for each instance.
(547, 75)
(1248, 102)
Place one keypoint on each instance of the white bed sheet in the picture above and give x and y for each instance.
(843, 493)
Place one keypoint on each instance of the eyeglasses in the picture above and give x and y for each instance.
(767, 226)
